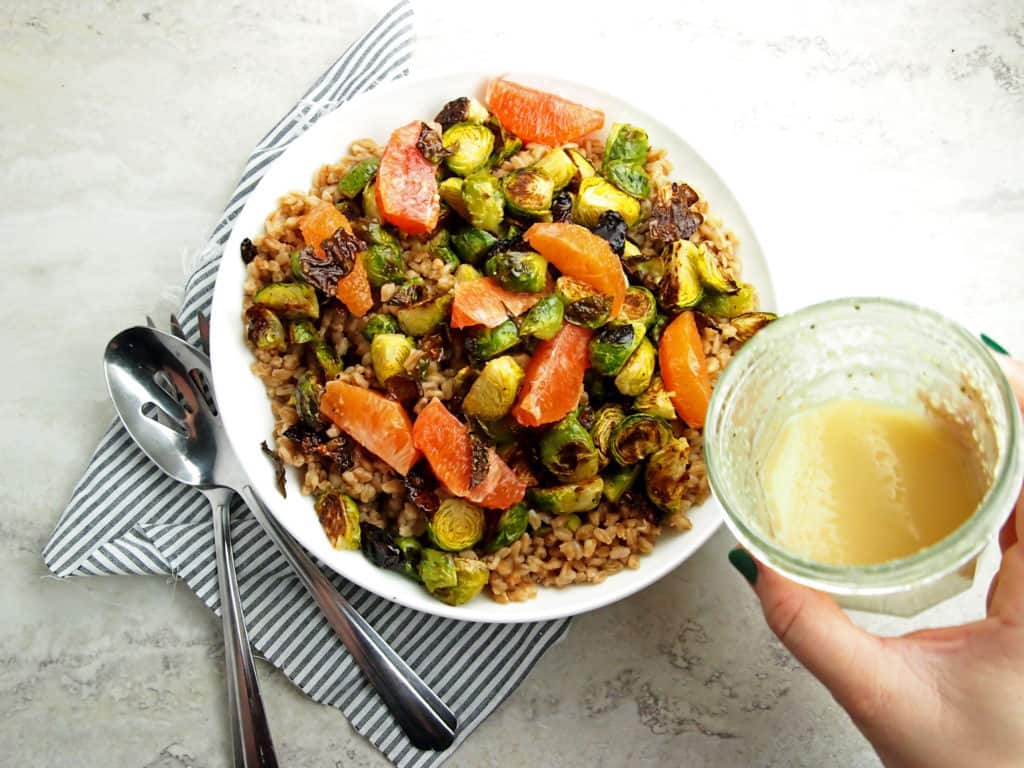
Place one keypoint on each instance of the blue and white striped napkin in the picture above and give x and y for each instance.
(126, 517)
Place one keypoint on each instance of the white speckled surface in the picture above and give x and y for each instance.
(878, 149)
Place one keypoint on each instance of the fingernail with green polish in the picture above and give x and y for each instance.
(744, 563)
(993, 344)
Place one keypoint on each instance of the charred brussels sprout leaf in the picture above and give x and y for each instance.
(412, 552)
(612, 227)
(522, 271)
(569, 498)
(290, 301)
(275, 460)
(307, 400)
(437, 570)
(639, 306)
(568, 452)
(358, 176)
(743, 302)
(711, 274)
(748, 324)
(422, 318)
(470, 145)
(636, 374)
(472, 245)
(494, 392)
(596, 196)
(510, 527)
(430, 145)
(248, 251)
(631, 179)
(301, 331)
(558, 167)
(264, 330)
(326, 359)
(636, 437)
(671, 217)
(484, 202)
(606, 420)
(456, 525)
(620, 480)
(561, 207)
(612, 344)
(462, 110)
(471, 577)
(379, 548)
(339, 517)
(380, 324)
(388, 351)
(583, 305)
(655, 400)
(626, 144)
(528, 193)
(680, 288)
(485, 343)
(409, 293)
(667, 474)
(545, 319)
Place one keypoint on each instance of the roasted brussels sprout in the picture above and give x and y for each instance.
(383, 264)
(528, 192)
(494, 392)
(545, 319)
(380, 324)
(743, 302)
(631, 179)
(295, 258)
(450, 192)
(471, 577)
(339, 517)
(620, 480)
(485, 343)
(485, 204)
(412, 553)
(456, 525)
(636, 437)
(464, 109)
(423, 317)
(370, 209)
(748, 324)
(681, 287)
(264, 330)
(326, 358)
(648, 272)
(596, 196)
(440, 246)
(655, 400)
(437, 570)
(388, 351)
(606, 420)
(358, 176)
(568, 452)
(636, 374)
(506, 143)
(626, 144)
(510, 526)
(523, 271)
(502, 432)
(289, 301)
(711, 274)
(301, 331)
(558, 167)
(568, 498)
(667, 474)
(639, 306)
(472, 245)
(583, 305)
(466, 272)
(583, 167)
(471, 145)
(612, 344)
(654, 332)
(307, 400)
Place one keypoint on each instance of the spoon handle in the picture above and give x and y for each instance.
(426, 720)
(250, 733)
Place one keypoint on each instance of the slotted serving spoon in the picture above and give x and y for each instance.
(160, 388)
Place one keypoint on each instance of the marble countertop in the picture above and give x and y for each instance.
(877, 147)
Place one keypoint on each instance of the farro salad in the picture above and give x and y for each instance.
(489, 345)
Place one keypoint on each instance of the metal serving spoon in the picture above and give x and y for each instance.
(148, 371)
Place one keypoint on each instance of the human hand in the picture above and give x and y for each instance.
(931, 699)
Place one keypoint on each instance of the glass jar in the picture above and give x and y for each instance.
(871, 349)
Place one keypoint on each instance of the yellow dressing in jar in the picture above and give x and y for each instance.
(856, 482)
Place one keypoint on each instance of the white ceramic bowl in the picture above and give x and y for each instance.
(244, 405)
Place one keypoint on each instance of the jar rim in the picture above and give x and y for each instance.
(891, 576)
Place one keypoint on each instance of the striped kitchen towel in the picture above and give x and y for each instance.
(126, 517)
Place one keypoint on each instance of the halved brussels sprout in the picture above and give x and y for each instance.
(388, 352)
(710, 273)
(510, 527)
(471, 576)
(655, 400)
(606, 420)
(523, 271)
(485, 343)
(636, 437)
(502, 432)
(485, 204)
(412, 552)
(289, 301)
(494, 392)
(568, 498)
(743, 302)
(583, 305)
(528, 192)
(647, 272)
(748, 324)
(326, 358)
(301, 331)
(626, 144)
(450, 191)
(596, 196)
(437, 570)
(264, 330)
(307, 400)
(465, 273)
(339, 517)
(472, 245)
(370, 210)
(464, 109)
(612, 344)
(457, 525)
(681, 287)
(638, 306)
(380, 324)
(420, 319)
(471, 145)
(583, 167)
(358, 176)
(636, 374)
(666, 475)
(568, 452)
(558, 167)
(620, 480)
(545, 319)
(506, 144)
(384, 264)
(631, 179)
